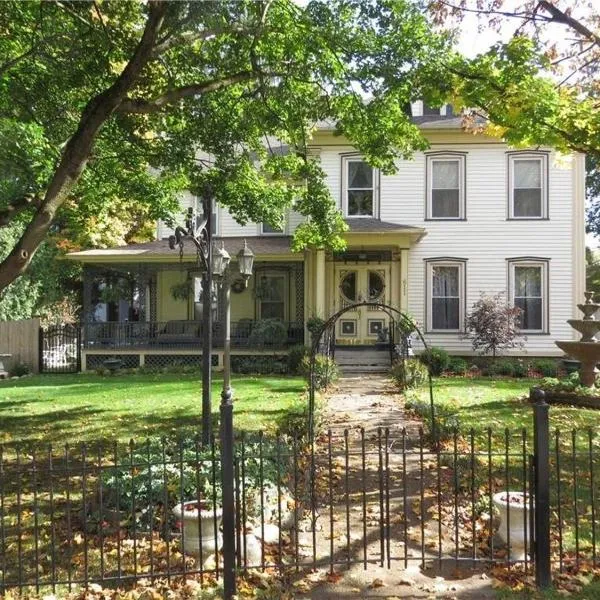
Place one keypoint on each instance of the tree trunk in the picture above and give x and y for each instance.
(78, 149)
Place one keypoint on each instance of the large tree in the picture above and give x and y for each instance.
(541, 86)
(105, 107)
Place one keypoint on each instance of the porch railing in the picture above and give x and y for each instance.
(167, 335)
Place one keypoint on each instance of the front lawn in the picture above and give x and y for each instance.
(70, 408)
(501, 403)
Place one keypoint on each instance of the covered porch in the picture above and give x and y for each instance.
(143, 303)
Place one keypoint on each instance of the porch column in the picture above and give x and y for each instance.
(320, 296)
(404, 280)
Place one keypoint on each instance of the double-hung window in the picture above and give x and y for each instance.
(445, 187)
(528, 188)
(268, 229)
(359, 188)
(446, 295)
(528, 286)
(272, 290)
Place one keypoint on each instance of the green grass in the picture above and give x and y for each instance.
(589, 591)
(502, 403)
(86, 407)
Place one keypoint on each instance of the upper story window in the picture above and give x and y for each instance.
(445, 187)
(528, 185)
(528, 290)
(446, 295)
(268, 229)
(359, 196)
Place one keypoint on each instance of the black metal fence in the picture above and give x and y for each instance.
(114, 514)
(60, 348)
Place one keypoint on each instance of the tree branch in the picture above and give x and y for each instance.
(78, 149)
(139, 105)
(561, 17)
(17, 206)
(195, 36)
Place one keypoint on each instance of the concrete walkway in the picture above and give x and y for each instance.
(371, 402)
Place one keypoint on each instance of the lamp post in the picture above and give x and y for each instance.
(220, 262)
(201, 236)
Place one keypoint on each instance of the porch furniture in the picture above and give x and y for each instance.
(3, 371)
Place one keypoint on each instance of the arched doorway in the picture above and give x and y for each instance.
(323, 339)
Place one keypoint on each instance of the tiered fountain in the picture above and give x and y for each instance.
(587, 349)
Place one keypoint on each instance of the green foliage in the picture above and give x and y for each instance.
(457, 365)
(154, 473)
(260, 365)
(314, 326)
(220, 76)
(548, 367)
(446, 417)
(296, 355)
(409, 373)
(568, 385)
(19, 369)
(436, 359)
(268, 332)
(325, 372)
(44, 286)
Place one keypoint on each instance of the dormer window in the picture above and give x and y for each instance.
(359, 196)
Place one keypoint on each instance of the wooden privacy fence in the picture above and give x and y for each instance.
(21, 340)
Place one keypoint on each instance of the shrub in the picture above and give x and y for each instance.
(260, 365)
(409, 373)
(19, 369)
(436, 359)
(521, 368)
(446, 418)
(505, 367)
(296, 355)
(457, 365)
(314, 325)
(268, 332)
(492, 324)
(182, 471)
(546, 367)
(326, 370)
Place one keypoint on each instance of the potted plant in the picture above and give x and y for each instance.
(200, 522)
(513, 511)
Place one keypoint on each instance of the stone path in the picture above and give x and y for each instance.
(370, 402)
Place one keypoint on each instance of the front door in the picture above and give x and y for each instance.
(362, 283)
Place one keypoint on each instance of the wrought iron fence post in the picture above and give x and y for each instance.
(541, 433)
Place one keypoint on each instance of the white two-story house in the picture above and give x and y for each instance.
(468, 216)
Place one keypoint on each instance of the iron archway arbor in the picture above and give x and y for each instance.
(398, 317)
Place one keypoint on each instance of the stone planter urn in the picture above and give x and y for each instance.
(198, 520)
(513, 530)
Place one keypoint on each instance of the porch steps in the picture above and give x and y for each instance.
(362, 359)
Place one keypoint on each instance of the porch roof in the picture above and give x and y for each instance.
(159, 251)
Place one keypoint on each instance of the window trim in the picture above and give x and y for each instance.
(532, 261)
(542, 157)
(445, 261)
(286, 291)
(283, 231)
(430, 158)
(348, 158)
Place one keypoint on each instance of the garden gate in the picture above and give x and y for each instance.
(60, 348)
